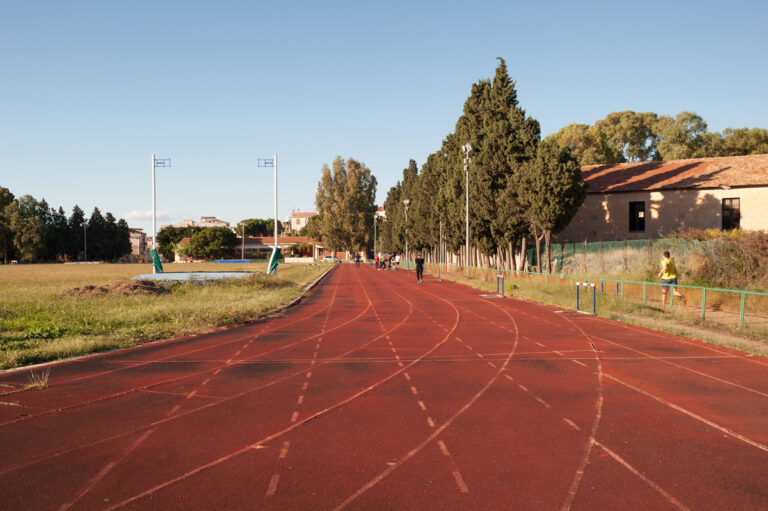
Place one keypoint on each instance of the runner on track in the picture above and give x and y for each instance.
(419, 268)
(669, 276)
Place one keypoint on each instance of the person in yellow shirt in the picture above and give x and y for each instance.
(669, 276)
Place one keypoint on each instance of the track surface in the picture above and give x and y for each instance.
(380, 393)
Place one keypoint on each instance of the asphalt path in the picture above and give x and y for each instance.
(378, 392)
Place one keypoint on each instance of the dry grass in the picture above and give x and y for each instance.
(38, 323)
(39, 380)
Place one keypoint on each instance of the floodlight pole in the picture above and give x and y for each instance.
(375, 220)
(162, 162)
(265, 162)
(467, 149)
(407, 261)
(85, 241)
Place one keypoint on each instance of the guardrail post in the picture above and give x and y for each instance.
(741, 315)
(703, 302)
(577, 296)
(643, 293)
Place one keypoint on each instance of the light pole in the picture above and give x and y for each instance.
(375, 221)
(467, 149)
(156, 162)
(407, 261)
(272, 162)
(85, 241)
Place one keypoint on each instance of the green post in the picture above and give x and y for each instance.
(671, 296)
(741, 316)
(272, 265)
(703, 302)
(156, 261)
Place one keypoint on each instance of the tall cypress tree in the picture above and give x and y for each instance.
(503, 138)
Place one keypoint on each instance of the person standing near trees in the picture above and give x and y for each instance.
(419, 268)
(668, 276)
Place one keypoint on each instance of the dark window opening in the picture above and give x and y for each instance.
(637, 216)
(731, 214)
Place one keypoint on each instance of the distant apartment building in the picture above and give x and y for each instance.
(205, 221)
(140, 245)
(298, 220)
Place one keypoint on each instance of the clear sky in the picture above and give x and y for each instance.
(89, 90)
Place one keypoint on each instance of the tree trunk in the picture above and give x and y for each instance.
(523, 254)
(547, 244)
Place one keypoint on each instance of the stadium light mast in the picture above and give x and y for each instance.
(272, 162)
(156, 162)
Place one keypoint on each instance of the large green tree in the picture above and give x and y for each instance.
(503, 138)
(258, 227)
(6, 235)
(211, 242)
(345, 201)
(27, 228)
(550, 190)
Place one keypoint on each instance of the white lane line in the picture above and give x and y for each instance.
(647, 481)
(543, 346)
(309, 375)
(542, 401)
(571, 424)
(443, 448)
(430, 422)
(492, 365)
(400, 363)
(305, 385)
(205, 382)
(460, 482)
(555, 351)
(479, 355)
(284, 450)
(300, 400)
(173, 410)
(422, 405)
(273, 485)
(407, 376)
(295, 416)
(191, 394)
(693, 415)
(580, 363)
(523, 387)
(509, 377)
(217, 371)
(413, 390)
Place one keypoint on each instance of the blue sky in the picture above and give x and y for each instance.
(90, 90)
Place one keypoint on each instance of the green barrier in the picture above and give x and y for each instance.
(272, 265)
(158, 266)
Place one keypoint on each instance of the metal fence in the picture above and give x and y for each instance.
(713, 305)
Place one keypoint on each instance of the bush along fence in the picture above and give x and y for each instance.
(723, 306)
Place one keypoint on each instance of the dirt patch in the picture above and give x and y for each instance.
(124, 287)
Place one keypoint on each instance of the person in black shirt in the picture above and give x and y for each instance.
(419, 268)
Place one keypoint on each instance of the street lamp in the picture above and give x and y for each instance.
(156, 162)
(272, 162)
(85, 241)
(375, 221)
(408, 261)
(466, 149)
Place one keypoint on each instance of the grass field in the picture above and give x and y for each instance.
(39, 323)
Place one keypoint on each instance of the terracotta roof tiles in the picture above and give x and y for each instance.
(729, 171)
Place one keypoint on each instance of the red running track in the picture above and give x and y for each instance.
(380, 393)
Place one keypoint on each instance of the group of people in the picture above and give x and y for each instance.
(386, 261)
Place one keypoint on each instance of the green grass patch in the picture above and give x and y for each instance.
(38, 323)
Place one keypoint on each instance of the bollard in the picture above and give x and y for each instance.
(500, 276)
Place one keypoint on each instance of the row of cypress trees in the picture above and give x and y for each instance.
(31, 231)
(520, 187)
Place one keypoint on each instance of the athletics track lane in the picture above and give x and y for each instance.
(377, 392)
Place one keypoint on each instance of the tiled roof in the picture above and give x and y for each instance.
(303, 214)
(729, 171)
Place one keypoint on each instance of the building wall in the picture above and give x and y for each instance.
(605, 217)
